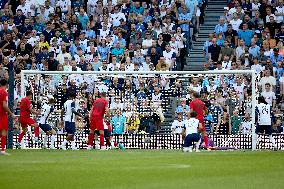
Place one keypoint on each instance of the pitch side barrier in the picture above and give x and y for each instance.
(167, 141)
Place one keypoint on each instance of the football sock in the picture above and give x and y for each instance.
(198, 144)
(36, 132)
(64, 142)
(21, 136)
(206, 141)
(102, 140)
(45, 140)
(3, 143)
(272, 140)
(73, 144)
(91, 139)
(52, 140)
(108, 141)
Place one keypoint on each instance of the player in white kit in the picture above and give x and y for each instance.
(264, 122)
(191, 129)
(47, 109)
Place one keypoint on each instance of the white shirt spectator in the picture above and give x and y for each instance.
(25, 8)
(226, 65)
(257, 67)
(169, 57)
(116, 18)
(64, 4)
(177, 126)
(236, 24)
(279, 9)
(265, 80)
(246, 127)
(269, 96)
(147, 43)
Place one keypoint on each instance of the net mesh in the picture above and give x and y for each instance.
(159, 97)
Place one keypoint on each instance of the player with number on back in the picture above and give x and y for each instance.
(264, 122)
(199, 107)
(26, 108)
(47, 109)
(99, 109)
(191, 129)
(69, 121)
(4, 111)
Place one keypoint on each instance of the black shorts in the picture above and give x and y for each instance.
(70, 127)
(261, 129)
(106, 133)
(45, 127)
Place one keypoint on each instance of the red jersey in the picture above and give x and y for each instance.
(198, 106)
(25, 108)
(99, 107)
(3, 98)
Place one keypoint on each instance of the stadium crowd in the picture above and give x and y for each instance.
(126, 35)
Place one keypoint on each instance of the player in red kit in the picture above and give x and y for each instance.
(4, 111)
(25, 119)
(199, 107)
(99, 109)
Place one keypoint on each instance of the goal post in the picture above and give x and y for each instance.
(252, 73)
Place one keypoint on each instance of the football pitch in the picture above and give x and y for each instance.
(139, 169)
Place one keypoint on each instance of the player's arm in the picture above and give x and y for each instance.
(205, 110)
(219, 122)
(7, 109)
(77, 113)
(183, 133)
(200, 127)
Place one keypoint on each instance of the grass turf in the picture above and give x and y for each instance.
(137, 169)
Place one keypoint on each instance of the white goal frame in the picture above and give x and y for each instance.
(213, 72)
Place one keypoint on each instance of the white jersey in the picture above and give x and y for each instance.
(264, 114)
(69, 106)
(246, 127)
(191, 126)
(269, 96)
(47, 110)
(177, 126)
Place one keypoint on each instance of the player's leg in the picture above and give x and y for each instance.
(71, 135)
(100, 127)
(3, 141)
(3, 132)
(268, 130)
(24, 125)
(102, 139)
(107, 135)
(186, 143)
(91, 135)
(67, 126)
(32, 123)
(205, 136)
(52, 139)
(197, 145)
(49, 132)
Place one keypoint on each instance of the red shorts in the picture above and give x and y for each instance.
(97, 123)
(4, 123)
(26, 121)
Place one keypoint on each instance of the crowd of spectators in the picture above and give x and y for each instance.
(249, 35)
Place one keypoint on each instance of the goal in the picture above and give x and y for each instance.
(146, 93)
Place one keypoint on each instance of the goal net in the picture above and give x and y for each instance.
(150, 105)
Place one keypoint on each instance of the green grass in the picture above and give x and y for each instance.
(137, 169)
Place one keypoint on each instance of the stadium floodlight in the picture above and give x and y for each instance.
(175, 74)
